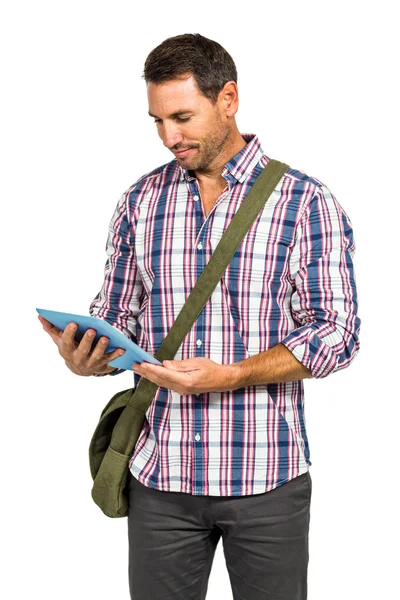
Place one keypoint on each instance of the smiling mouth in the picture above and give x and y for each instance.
(183, 153)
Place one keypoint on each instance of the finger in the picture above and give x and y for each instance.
(68, 343)
(47, 326)
(162, 377)
(149, 367)
(114, 354)
(179, 365)
(83, 349)
(100, 348)
(54, 332)
(157, 374)
(99, 357)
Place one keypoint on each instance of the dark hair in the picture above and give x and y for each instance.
(208, 62)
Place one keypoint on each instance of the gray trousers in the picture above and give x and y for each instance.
(173, 537)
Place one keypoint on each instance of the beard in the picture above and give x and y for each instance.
(208, 149)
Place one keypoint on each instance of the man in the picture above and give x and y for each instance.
(223, 450)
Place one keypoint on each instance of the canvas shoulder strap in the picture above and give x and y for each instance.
(251, 206)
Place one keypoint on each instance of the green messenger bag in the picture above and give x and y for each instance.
(121, 420)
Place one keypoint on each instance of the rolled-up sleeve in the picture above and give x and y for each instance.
(324, 301)
(119, 299)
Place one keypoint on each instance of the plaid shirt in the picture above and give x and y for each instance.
(291, 281)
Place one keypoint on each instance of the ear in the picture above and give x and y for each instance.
(229, 99)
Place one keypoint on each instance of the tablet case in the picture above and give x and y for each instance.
(133, 353)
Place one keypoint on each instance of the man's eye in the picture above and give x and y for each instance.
(180, 119)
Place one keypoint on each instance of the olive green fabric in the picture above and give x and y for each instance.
(122, 418)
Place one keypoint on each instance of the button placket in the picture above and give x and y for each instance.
(199, 257)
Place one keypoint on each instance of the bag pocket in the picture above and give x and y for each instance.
(101, 438)
(108, 490)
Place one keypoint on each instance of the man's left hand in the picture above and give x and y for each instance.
(190, 376)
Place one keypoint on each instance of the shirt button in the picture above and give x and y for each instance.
(195, 198)
(200, 246)
(199, 342)
(197, 437)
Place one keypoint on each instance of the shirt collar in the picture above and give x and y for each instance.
(241, 165)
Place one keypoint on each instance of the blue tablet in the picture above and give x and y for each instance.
(133, 353)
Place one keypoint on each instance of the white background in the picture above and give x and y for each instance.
(317, 84)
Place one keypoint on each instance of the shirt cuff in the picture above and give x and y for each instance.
(311, 351)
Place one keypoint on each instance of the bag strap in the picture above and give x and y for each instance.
(245, 216)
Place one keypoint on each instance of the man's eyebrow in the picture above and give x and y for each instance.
(175, 114)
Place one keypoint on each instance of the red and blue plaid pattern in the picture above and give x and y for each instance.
(291, 281)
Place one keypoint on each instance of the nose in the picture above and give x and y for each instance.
(170, 134)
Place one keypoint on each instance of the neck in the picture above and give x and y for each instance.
(212, 174)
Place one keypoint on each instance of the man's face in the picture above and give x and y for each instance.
(187, 122)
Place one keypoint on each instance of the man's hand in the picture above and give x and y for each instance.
(198, 375)
(190, 376)
(79, 357)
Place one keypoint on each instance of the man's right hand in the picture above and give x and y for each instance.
(79, 357)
